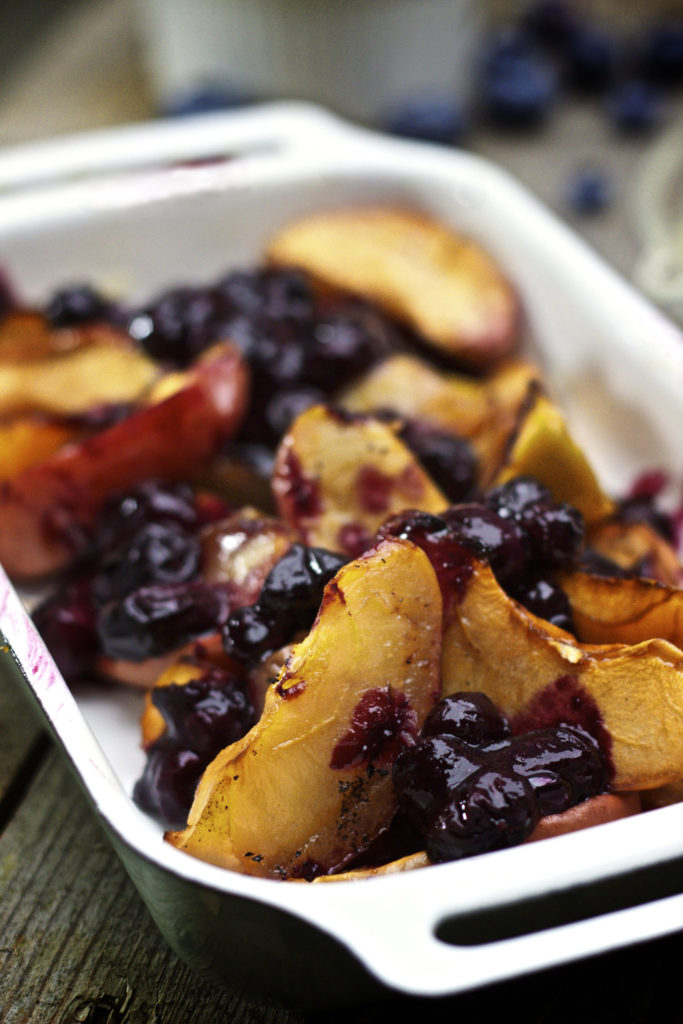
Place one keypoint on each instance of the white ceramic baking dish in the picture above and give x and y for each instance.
(113, 208)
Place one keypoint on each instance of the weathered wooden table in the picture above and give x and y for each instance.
(76, 942)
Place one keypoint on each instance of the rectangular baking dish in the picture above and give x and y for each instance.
(141, 208)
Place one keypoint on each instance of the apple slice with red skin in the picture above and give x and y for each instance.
(48, 512)
(309, 787)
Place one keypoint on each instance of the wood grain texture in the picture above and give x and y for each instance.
(76, 942)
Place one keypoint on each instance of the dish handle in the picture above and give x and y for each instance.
(445, 951)
(268, 128)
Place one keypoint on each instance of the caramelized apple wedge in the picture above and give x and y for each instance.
(48, 511)
(440, 284)
(541, 446)
(310, 785)
(337, 478)
(630, 697)
(638, 548)
(108, 369)
(608, 610)
(455, 402)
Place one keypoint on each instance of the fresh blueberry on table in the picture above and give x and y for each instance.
(661, 53)
(591, 60)
(552, 22)
(635, 107)
(205, 100)
(436, 119)
(518, 86)
(589, 191)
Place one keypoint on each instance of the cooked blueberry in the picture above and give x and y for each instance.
(149, 502)
(448, 459)
(425, 775)
(153, 620)
(157, 553)
(472, 718)
(555, 535)
(201, 718)
(76, 305)
(66, 621)
(546, 600)
(251, 632)
(565, 753)
(285, 405)
(205, 714)
(167, 785)
(552, 532)
(288, 603)
(494, 810)
(179, 324)
(297, 580)
(490, 537)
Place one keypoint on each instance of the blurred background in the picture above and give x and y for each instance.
(581, 101)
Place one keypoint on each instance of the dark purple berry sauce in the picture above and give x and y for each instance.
(135, 592)
(287, 605)
(201, 718)
(471, 784)
(382, 724)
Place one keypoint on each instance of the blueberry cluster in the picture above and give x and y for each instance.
(135, 593)
(518, 528)
(448, 459)
(201, 718)
(469, 787)
(288, 603)
(299, 347)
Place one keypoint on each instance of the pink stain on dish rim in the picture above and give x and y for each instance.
(25, 642)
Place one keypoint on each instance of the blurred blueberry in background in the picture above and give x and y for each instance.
(429, 119)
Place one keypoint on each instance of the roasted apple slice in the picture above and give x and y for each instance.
(462, 404)
(26, 336)
(108, 369)
(541, 446)
(337, 478)
(614, 610)
(310, 785)
(638, 548)
(442, 285)
(630, 697)
(48, 511)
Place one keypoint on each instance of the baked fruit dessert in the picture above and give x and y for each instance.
(328, 515)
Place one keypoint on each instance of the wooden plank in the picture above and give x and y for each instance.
(77, 943)
(23, 736)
